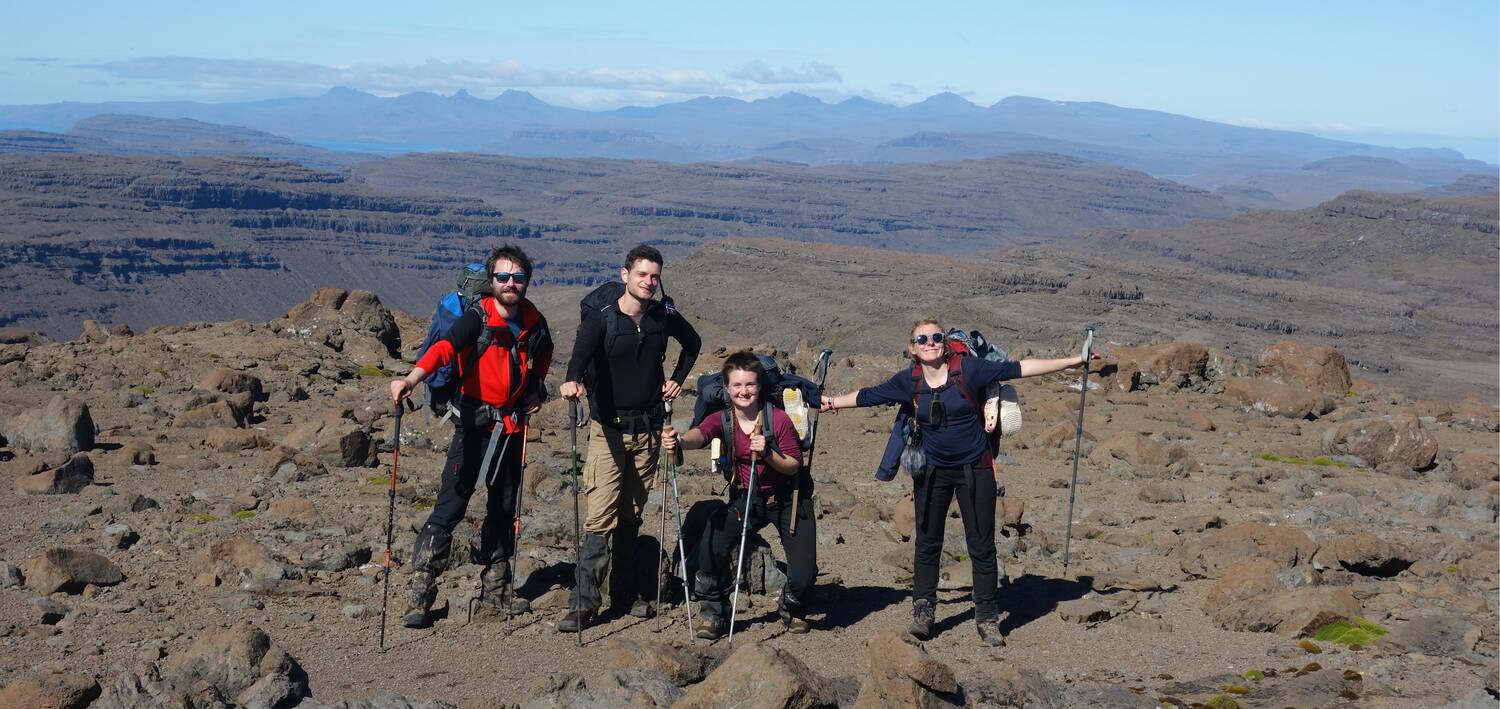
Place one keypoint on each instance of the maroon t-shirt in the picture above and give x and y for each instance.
(786, 439)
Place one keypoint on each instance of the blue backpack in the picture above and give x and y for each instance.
(442, 384)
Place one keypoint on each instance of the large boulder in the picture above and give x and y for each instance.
(1222, 548)
(351, 322)
(1173, 364)
(50, 690)
(239, 666)
(333, 440)
(1396, 440)
(1136, 449)
(62, 425)
(241, 559)
(69, 571)
(229, 381)
(1364, 554)
(1316, 368)
(902, 674)
(681, 665)
(1295, 613)
(1276, 399)
(1473, 469)
(70, 477)
(1244, 579)
(760, 677)
(633, 687)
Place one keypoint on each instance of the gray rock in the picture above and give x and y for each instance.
(1477, 699)
(1437, 634)
(69, 570)
(121, 535)
(61, 426)
(10, 576)
(70, 477)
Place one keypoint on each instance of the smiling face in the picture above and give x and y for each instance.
(743, 387)
(641, 278)
(933, 348)
(513, 288)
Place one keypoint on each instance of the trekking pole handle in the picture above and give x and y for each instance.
(1088, 344)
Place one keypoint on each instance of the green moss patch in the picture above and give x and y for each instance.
(204, 517)
(371, 370)
(1357, 631)
(1223, 701)
(1321, 460)
(245, 514)
(1254, 675)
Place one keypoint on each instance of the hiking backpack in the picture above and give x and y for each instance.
(604, 301)
(776, 387)
(472, 287)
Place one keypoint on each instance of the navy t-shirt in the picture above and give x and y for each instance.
(952, 431)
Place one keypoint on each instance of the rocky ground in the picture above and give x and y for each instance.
(196, 518)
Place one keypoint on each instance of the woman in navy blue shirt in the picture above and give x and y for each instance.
(941, 388)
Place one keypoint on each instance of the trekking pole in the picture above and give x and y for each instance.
(390, 524)
(812, 434)
(515, 539)
(577, 524)
(744, 533)
(661, 547)
(672, 463)
(1083, 392)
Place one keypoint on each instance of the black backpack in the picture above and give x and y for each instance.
(603, 300)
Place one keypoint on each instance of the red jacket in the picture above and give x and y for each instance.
(498, 378)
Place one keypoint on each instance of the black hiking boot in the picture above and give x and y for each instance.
(575, 621)
(794, 615)
(423, 593)
(496, 594)
(922, 617)
(583, 605)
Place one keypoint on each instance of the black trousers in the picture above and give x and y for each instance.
(975, 489)
(461, 477)
(720, 544)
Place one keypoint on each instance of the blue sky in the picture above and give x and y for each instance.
(1394, 73)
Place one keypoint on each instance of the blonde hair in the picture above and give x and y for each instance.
(927, 321)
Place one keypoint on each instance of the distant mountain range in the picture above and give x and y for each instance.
(1252, 166)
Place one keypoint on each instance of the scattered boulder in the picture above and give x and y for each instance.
(1316, 368)
(215, 414)
(229, 381)
(1435, 634)
(681, 665)
(609, 688)
(902, 674)
(1472, 470)
(760, 676)
(50, 690)
(1396, 440)
(1135, 448)
(1245, 579)
(1014, 686)
(1295, 613)
(334, 441)
(1173, 364)
(352, 322)
(242, 558)
(70, 477)
(1209, 558)
(233, 440)
(1159, 493)
(1364, 554)
(1275, 399)
(139, 453)
(69, 571)
(239, 666)
(62, 425)
(297, 511)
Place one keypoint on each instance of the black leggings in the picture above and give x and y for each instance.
(722, 537)
(974, 487)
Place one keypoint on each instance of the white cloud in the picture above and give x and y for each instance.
(1301, 127)
(432, 75)
(809, 73)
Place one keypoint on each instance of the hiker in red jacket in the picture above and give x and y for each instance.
(503, 350)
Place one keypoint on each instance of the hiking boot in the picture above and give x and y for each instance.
(586, 596)
(496, 593)
(423, 593)
(642, 608)
(796, 625)
(989, 631)
(922, 618)
(575, 621)
(710, 628)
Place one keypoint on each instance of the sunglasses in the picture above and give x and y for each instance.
(503, 276)
(936, 338)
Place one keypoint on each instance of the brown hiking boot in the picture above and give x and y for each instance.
(575, 621)
(710, 628)
(989, 632)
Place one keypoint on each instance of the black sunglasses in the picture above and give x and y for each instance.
(503, 276)
(936, 337)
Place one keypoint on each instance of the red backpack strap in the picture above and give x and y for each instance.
(956, 378)
(917, 380)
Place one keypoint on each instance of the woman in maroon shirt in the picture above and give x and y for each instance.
(776, 458)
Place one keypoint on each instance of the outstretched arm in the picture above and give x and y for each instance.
(1038, 367)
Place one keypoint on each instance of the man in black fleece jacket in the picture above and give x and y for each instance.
(618, 367)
